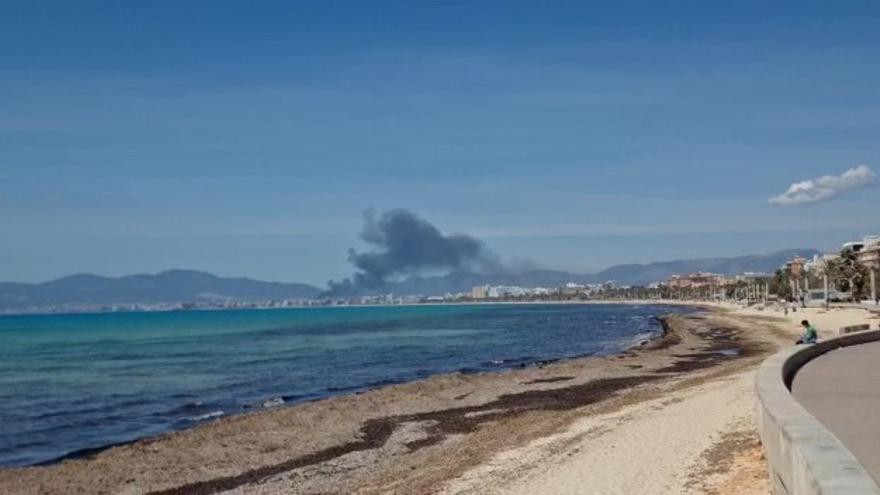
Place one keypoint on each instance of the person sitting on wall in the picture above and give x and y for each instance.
(809, 336)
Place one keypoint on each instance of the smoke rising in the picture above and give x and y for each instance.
(404, 244)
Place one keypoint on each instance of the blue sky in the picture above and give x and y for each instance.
(246, 138)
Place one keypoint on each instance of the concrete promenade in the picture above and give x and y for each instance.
(804, 455)
(841, 388)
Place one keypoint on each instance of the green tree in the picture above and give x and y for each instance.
(780, 284)
(846, 274)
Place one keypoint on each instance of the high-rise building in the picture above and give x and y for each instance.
(480, 292)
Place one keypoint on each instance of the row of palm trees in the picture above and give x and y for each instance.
(845, 274)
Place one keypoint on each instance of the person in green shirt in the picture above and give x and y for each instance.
(809, 336)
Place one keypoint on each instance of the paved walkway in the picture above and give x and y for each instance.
(842, 390)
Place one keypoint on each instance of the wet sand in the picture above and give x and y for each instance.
(428, 436)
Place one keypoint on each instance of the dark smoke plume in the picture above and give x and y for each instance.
(405, 244)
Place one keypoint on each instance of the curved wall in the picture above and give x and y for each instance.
(803, 456)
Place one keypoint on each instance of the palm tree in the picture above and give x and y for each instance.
(846, 274)
(780, 284)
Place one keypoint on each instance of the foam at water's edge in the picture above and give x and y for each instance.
(206, 416)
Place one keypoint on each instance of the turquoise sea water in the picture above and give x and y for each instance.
(70, 383)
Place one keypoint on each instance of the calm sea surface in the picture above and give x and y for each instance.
(74, 382)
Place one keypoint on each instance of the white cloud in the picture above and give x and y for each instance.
(825, 187)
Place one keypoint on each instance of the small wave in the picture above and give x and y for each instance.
(194, 412)
(206, 416)
(510, 361)
(282, 400)
(300, 397)
(273, 402)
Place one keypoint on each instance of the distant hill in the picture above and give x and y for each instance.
(177, 286)
(169, 286)
(636, 274)
(654, 272)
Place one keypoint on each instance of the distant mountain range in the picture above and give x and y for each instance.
(170, 286)
(189, 286)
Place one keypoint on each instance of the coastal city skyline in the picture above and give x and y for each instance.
(246, 141)
(780, 276)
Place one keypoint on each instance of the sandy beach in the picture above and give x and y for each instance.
(673, 416)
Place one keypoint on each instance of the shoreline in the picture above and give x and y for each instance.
(507, 365)
(673, 415)
(419, 419)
